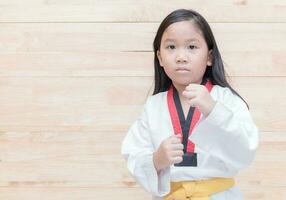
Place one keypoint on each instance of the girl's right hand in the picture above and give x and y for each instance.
(169, 152)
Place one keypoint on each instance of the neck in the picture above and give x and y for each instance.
(180, 89)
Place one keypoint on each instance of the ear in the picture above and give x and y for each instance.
(159, 57)
(210, 58)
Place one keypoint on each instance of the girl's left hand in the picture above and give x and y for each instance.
(199, 96)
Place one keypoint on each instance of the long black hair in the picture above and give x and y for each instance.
(215, 73)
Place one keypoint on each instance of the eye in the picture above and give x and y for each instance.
(171, 47)
(192, 47)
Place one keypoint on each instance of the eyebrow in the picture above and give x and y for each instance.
(189, 40)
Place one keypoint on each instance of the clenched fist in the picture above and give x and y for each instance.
(199, 96)
(169, 152)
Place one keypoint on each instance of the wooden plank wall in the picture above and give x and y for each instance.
(74, 75)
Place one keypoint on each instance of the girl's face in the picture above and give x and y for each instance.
(184, 54)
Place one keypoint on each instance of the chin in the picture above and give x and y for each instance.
(184, 82)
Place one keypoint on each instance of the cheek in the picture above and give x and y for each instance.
(169, 67)
(170, 73)
(166, 57)
(200, 58)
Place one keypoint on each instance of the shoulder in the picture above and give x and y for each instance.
(221, 91)
(156, 100)
(154, 105)
(227, 97)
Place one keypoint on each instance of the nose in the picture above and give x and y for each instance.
(181, 57)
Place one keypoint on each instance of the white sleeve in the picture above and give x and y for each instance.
(228, 133)
(137, 148)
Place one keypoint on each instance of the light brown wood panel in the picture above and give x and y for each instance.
(75, 74)
(269, 164)
(71, 103)
(79, 159)
(113, 103)
(264, 96)
(100, 64)
(71, 193)
(148, 10)
(126, 37)
(51, 193)
(265, 193)
(76, 159)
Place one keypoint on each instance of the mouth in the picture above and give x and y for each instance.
(182, 69)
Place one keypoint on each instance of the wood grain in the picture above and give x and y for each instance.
(110, 64)
(74, 75)
(75, 161)
(145, 11)
(131, 37)
(113, 103)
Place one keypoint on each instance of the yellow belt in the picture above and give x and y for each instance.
(198, 190)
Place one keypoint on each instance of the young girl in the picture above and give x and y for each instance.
(195, 132)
